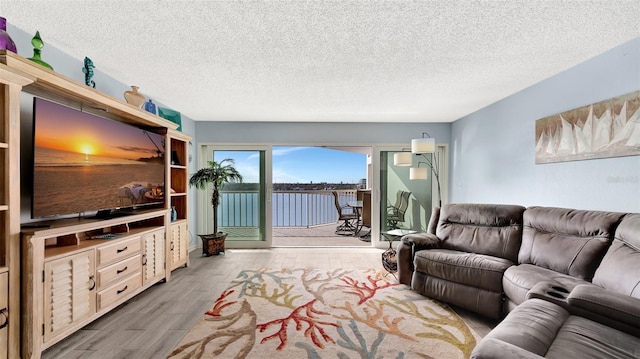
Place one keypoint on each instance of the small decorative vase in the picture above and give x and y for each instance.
(38, 44)
(5, 40)
(134, 97)
(174, 214)
(149, 106)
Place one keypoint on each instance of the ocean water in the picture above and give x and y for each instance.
(65, 183)
(51, 157)
(241, 209)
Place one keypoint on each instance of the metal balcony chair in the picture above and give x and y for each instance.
(395, 213)
(348, 225)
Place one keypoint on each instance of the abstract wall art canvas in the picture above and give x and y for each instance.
(609, 128)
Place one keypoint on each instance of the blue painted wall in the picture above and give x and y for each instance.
(493, 149)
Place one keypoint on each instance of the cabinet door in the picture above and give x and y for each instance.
(69, 291)
(179, 245)
(4, 314)
(153, 258)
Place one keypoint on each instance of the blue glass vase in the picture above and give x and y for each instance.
(149, 106)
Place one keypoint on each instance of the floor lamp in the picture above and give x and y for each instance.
(421, 147)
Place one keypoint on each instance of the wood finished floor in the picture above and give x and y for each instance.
(152, 323)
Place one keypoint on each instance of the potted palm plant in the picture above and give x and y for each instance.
(217, 173)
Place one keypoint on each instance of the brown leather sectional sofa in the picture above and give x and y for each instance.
(569, 279)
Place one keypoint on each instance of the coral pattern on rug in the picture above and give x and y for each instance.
(311, 313)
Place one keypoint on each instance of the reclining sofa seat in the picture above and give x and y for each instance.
(561, 246)
(599, 320)
(474, 245)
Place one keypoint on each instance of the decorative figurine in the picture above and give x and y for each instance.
(133, 97)
(38, 44)
(88, 72)
(5, 40)
(149, 106)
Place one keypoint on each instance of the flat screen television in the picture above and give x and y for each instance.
(85, 164)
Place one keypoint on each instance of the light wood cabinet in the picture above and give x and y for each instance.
(51, 262)
(74, 279)
(12, 82)
(115, 272)
(69, 292)
(118, 292)
(153, 256)
(178, 244)
(178, 234)
(119, 271)
(4, 312)
(114, 252)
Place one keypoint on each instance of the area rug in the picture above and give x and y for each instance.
(311, 313)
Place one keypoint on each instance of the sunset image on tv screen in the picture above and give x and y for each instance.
(85, 163)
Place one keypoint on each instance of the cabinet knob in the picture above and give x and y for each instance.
(122, 270)
(144, 259)
(121, 250)
(93, 282)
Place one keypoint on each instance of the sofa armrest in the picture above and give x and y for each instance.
(607, 307)
(421, 241)
(409, 245)
(551, 292)
(490, 348)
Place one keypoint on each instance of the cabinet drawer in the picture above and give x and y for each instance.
(114, 252)
(119, 270)
(120, 290)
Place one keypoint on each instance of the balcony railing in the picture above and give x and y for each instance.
(289, 208)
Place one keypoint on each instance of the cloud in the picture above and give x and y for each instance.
(281, 151)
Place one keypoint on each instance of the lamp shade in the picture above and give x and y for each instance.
(418, 173)
(423, 145)
(402, 159)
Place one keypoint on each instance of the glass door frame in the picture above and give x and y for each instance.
(442, 151)
(204, 203)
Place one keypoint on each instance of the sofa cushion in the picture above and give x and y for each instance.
(531, 326)
(619, 270)
(547, 330)
(476, 270)
(477, 300)
(605, 306)
(567, 241)
(582, 338)
(491, 229)
(518, 280)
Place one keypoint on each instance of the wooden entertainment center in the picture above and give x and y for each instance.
(71, 271)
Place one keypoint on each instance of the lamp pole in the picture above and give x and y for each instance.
(435, 169)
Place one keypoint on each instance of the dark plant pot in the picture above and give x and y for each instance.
(212, 243)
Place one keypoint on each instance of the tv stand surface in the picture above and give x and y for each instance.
(111, 214)
(101, 220)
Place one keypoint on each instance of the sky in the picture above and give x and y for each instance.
(65, 129)
(294, 164)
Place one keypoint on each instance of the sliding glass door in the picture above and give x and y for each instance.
(422, 193)
(244, 212)
(406, 202)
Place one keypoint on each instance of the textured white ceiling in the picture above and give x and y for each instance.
(323, 61)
